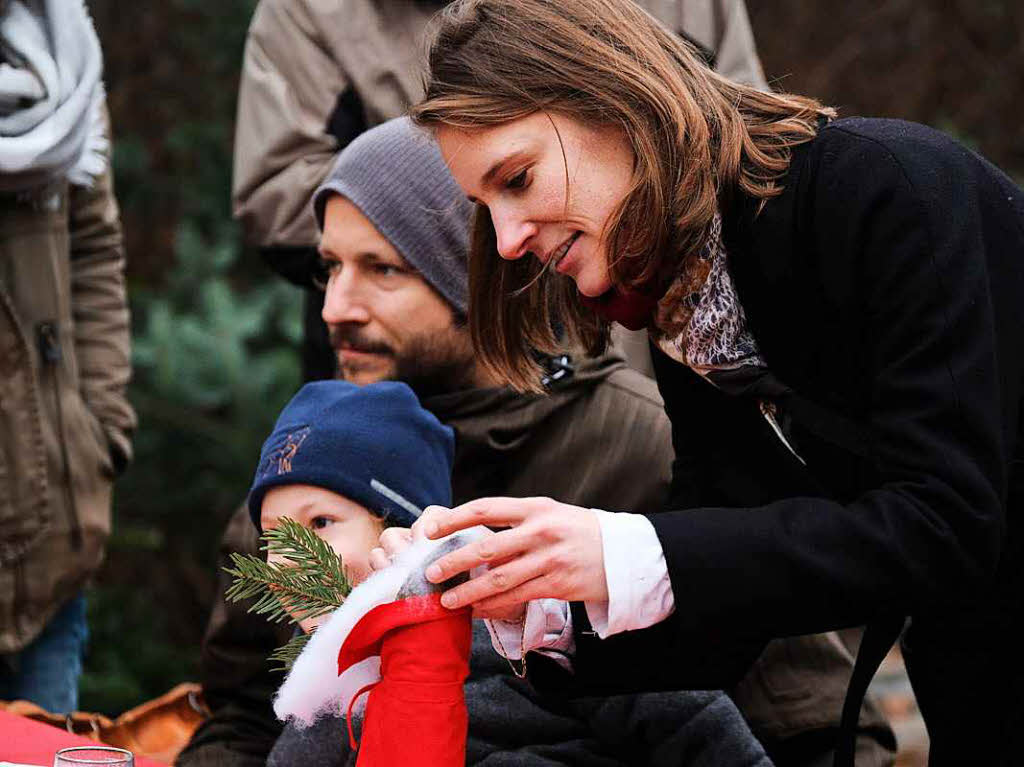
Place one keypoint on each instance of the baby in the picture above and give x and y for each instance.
(333, 449)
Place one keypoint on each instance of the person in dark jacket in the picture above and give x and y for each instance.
(608, 417)
(835, 311)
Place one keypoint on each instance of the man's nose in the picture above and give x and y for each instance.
(343, 301)
(512, 232)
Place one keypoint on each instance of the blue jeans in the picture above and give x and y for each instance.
(46, 672)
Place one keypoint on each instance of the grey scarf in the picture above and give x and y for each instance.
(51, 95)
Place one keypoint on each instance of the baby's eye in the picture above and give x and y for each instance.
(518, 181)
(319, 523)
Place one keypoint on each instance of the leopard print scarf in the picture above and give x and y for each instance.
(706, 329)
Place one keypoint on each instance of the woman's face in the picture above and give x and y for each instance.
(519, 170)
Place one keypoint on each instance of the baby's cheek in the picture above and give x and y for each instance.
(358, 570)
(309, 624)
(276, 559)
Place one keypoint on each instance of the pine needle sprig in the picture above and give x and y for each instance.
(311, 582)
(288, 653)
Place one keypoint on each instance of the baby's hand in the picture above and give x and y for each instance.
(393, 541)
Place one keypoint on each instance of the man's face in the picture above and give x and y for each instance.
(385, 321)
(346, 526)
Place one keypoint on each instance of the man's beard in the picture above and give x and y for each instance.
(429, 363)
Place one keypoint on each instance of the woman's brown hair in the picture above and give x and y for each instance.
(696, 139)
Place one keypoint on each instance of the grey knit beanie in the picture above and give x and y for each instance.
(395, 175)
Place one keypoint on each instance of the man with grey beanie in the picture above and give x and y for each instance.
(425, 217)
(395, 225)
(393, 269)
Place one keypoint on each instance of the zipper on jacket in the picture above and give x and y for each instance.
(50, 352)
(768, 410)
(20, 601)
(557, 370)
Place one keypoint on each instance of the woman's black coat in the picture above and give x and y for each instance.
(885, 287)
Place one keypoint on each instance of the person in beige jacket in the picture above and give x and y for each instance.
(64, 346)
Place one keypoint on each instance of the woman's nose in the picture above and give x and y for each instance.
(513, 234)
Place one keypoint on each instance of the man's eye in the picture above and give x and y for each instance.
(323, 270)
(385, 270)
(518, 181)
(319, 523)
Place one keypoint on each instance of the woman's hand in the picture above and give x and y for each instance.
(395, 540)
(552, 550)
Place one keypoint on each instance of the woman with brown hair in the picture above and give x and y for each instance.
(834, 309)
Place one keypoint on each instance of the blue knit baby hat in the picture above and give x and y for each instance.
(339, 436)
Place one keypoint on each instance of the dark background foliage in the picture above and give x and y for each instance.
(215, 334)
(957, 65)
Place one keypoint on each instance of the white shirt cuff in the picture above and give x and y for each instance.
(639, 589)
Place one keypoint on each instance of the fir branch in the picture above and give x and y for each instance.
(287, 654)
(311, 583)
(280, 593)
(307, 552)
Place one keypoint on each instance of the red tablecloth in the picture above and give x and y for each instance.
(22, 740)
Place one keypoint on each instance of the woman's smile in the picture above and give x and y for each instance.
(558, 258)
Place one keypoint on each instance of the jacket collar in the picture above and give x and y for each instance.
(497, 419)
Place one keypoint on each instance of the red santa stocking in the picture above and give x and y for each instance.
(416, 714)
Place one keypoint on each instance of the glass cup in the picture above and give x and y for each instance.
(93, 756)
